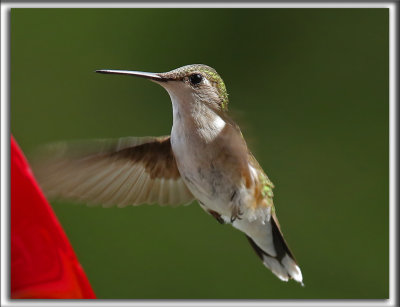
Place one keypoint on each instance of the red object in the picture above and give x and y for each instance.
(43, 263)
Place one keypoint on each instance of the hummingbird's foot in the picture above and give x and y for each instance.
(217, 216)
(236, 213)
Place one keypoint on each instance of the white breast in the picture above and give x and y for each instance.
(196, 126)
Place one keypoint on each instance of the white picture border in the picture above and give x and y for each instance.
(5, 158)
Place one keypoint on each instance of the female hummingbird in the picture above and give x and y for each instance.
(205, 158)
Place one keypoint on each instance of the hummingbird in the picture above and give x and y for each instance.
(205, 158)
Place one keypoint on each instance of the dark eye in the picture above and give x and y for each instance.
(195, 78)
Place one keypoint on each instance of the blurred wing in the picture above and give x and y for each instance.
(128, 171)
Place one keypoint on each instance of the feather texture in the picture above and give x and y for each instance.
(128, 171)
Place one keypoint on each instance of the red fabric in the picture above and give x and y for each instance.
(43, 263)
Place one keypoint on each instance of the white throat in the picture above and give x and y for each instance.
(192, 116)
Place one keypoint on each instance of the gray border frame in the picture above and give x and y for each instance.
(5, 150)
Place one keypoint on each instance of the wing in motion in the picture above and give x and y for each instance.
(128, 171)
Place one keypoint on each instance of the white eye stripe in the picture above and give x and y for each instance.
(205, 80)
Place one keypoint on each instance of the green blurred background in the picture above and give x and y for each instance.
(309, 88)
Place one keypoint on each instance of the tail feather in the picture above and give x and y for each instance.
(283, 265)
(280, 244)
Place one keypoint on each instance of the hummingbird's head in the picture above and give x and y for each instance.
(196, 83)
(199, 81)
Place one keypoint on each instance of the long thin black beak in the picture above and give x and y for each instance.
(147, 75)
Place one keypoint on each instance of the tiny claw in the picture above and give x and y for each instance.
(236, 215)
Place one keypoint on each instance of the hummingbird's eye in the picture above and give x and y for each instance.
(195, 78)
